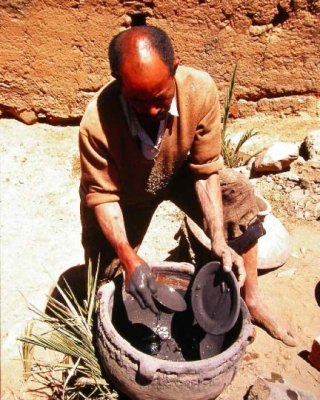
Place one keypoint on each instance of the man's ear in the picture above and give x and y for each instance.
(176, 63)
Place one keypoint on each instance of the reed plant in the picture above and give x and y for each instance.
(66, 328)
(231, 152)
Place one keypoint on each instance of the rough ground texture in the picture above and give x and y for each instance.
(54, 53)
(40, 232)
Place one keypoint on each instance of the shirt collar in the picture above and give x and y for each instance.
(174, 107)
(148, 147)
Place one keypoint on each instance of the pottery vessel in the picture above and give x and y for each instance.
(274, 248)
(144, 377)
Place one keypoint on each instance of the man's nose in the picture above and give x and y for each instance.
(153, 111)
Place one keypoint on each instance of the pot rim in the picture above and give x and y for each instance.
(106, 291)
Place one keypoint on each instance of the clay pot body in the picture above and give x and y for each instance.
(143, 377)
(274, 248)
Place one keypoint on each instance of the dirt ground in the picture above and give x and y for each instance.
(40, 239)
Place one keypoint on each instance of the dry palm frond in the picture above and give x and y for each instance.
(27, 351)
(68, 331)
(231, 152)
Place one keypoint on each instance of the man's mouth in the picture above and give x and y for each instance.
(159, 117)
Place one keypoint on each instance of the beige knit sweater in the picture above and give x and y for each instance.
(113, 167)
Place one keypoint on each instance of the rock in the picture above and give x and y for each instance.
(308, 216)
(317, 212)
(29, 117)
(315, 164)
(305, 183)
(300, 215)
(287, 273)
(309, 205)
(291, 176)
(301, 160)
(276, 158)
(311, 145)
(303, 200)
(295, 192)
(265, 390)
(297, 195)
(243, 170)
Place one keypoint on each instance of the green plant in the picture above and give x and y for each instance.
(66, 329)
(232, 152)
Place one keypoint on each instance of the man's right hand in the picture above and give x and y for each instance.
(139, 279)
(141, 285)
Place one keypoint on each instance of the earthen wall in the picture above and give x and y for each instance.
(54, 52)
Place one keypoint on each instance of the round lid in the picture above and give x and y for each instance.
(168, 297)
(215, 297)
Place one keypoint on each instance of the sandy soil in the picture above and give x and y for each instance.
(40, 239)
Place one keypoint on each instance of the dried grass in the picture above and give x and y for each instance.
(66, 328)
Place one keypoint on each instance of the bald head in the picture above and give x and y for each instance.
(137, 45)
(142, 60)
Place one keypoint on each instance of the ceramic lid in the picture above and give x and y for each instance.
(168, 297)
(215, 297)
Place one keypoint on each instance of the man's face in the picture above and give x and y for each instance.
(148, 88)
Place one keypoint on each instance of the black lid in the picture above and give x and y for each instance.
(215, 297)
(168, 297)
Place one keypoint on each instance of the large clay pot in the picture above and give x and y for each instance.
(274, 248)
(143, 377)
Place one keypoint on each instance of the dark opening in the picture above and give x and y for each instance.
(281, 17)
(317, 293)
(138, 19)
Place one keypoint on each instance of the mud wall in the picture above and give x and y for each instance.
(54, 52)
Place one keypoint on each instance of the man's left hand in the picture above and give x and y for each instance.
(229, 258)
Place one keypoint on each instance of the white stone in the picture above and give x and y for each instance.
(312, 145)
(277, 157)
(288, 273)
(297, 195)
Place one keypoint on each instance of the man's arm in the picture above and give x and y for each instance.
(139, 279)
(209, 195)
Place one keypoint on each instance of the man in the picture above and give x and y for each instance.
(150, 135)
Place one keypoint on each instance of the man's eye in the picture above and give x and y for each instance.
(162, 99)
(138, 101)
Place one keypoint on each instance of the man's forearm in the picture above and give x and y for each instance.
(210, 198)
(110, 218)
(139, 279)
(209, 195)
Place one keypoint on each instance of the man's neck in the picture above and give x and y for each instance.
(150, 127)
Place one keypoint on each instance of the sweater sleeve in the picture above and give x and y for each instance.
(99, 177)
(205, 155)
